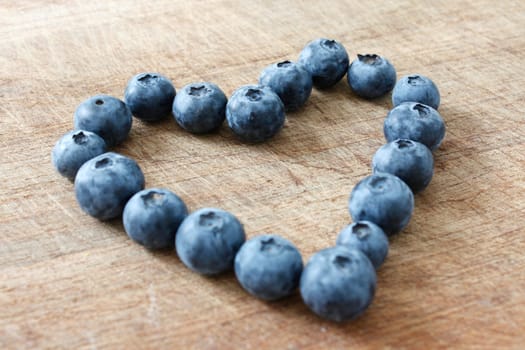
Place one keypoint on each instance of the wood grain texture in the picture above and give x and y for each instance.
(455, 278)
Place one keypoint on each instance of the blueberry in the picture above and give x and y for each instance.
(383, 199)
(268, 267)
(371, 76)
(416, 88)
(74, 149)
(200, 107)
(152, 216)
(149, 96)
(416, 122)
(368, 238)
(104, 184)
(411, 161)
(326, 60)
(208, 239)
(338, 283)
(289, 81)
(106, 116)
(255, 113)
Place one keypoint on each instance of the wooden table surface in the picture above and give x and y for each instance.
(454, 278)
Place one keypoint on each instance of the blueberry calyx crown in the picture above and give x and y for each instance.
(80, 138)
(369, 59)
(329, 44)
(378, 183)
(147, 78)
(152, 197)
(271, 246)
(421, 109)
(415, 80)
(268, 244)
(198, 91)
(361, 230)
(104, 162)
(211, 220)
(341, 261)
(99, 101)
(254, 94)
(404, 143)
(284, 64)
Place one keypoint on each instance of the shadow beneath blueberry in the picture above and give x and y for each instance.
(340, 88)
(392, 239)
(296, 113)
(224, 283)
(165, 255)
(287, 142)
(169, 255)
(384, 101)
(453, 151)
(292, 304)
(115, 224)
(294, 307)
(344, 90)
(166, 122)
(154, 123)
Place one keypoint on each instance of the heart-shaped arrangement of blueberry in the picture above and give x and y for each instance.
(337, 283)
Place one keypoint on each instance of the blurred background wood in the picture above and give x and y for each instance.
(455, 277)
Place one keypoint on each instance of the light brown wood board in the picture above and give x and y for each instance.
(455, 278)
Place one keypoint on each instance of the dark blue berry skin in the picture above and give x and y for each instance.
(417, 122)
(106, 116)
(366, 237)
(411, 161)
(326, 60)
(371, 76)
(338, 283)
(416, 88)
(268, 267)
(149, 96)
(74, 149)
(152, 217)
(289, 81)
(255, 113)
(105, 183)
(383, 199)
(200, 107)
(208, 239)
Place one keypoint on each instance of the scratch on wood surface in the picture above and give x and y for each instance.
(64, 210)
(92, 341)
(153, 315)
(12, 116)
(294, 177)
